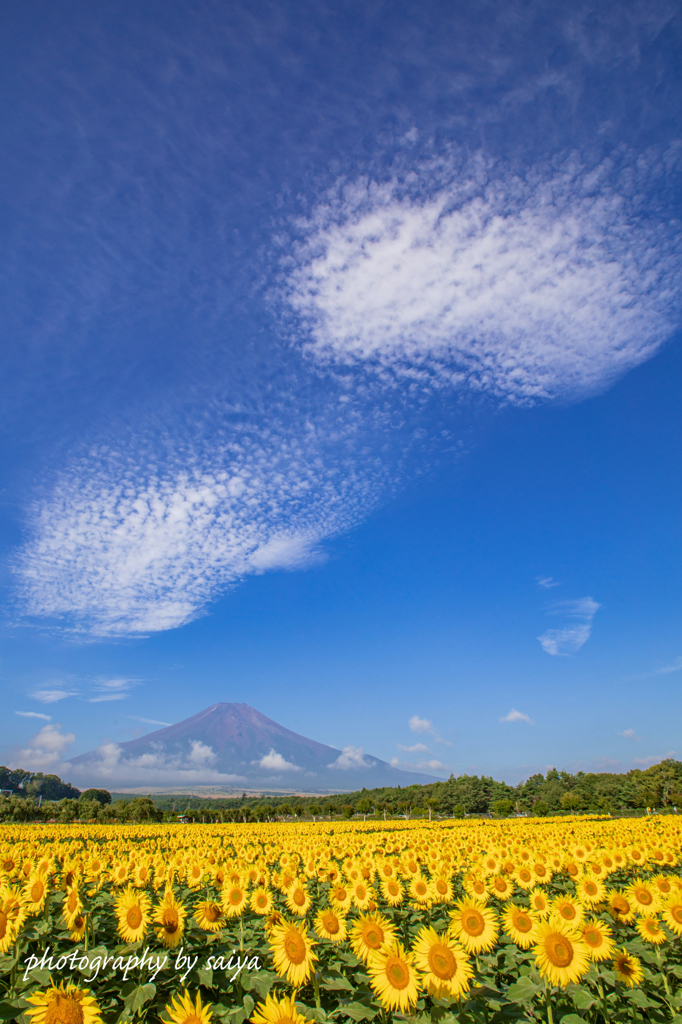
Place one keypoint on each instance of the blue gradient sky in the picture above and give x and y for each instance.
(342, 367)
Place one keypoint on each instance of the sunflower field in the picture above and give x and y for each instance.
(560, 920)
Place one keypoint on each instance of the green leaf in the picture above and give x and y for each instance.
(583, 999)
(638, 997)
(205, 975)
(139, 996)
(358, 1011)
(522, 991)
(572, 1018)
(8, 1012)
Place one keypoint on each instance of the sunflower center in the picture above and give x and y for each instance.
(559, 950)
(261, 901)
(676, 912)
(593, 938)
(420, 888)
(3, 924)
(393, 888)
(568, 912)
(37, 890)
(235, 897)
(170, 920)
(620, 905)
(299, 897)
(626, 968)
(64, 1010)
(591, 889)
(294, 947)
(360, 892)
(644, 897)
(523, 923)
(213, 912)
(473, 923)
(72, 902)
(373, 936)
(397, 973)
(442, 962)
(331, 923)
(441, 887)
(134, 917)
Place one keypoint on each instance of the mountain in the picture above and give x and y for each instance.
(235, 746)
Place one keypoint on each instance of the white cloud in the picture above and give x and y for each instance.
(414, 749)
(34, 714)
(46, 749)
(276, 763)
(629, 734)
(157, 767)
(351, 757)
(123, 544)
(107, 696)
(201, 753)
(569, 639)
(52, 696)
(426, 766)
(517, 716)
(528, 288)
(547, 582)
(418, 724)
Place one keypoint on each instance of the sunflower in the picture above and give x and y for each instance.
(277, 1011)
(72, 905)
(393, 891)
(119, 874)
(560, 953)
(78, 927)
(644, 896)
(298, 899)
(209, 915)
(443, 962)
(362, 894)
(64, 1004)
(441, 889)
(369, 933)
(132, 911)
(419, 889)
(169, 920)
(649, 927)
(182, 1010)
(261, 901)
(35, 892)
(330, 925)
(475, 925)
(520, 924)
(476, 887)
(539, 902)
(672, 914)
(194, 874)
(597, 938)
(142, 875)
(567, 909)
(664, 885)
(393, 977)
(7, 930)
(340, 896)
(13, 908)
(620, 907)
(292, 952)
(590, 890)
(234, 899)
(628, 968)
(501, 886)
(524, 877)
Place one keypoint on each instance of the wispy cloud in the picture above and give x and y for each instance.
(570, 638)
(675, 666)
(547, 582)
(413, 749)
(52, 696)
(148, 721)
(471, 276)
(34, 714)
(426, 765)
(629, 734)
(112, 689)
(517, 716)
(351, 757)
(124, 545)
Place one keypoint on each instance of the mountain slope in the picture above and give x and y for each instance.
(234, 745)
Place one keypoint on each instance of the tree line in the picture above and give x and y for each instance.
(37, 797)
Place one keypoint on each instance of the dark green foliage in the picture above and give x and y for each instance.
(102, 796)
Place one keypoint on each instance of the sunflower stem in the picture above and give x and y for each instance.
(316, 986)
(602, 994)
(548, 1001)
(663, 974)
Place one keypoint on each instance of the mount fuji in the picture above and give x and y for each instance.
(234, 746)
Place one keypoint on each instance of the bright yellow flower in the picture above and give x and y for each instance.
(393, 977)
(444, 964)
(182, 1010)
(64, 1004)
(560, 953)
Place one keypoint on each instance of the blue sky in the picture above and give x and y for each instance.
(342, 360)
